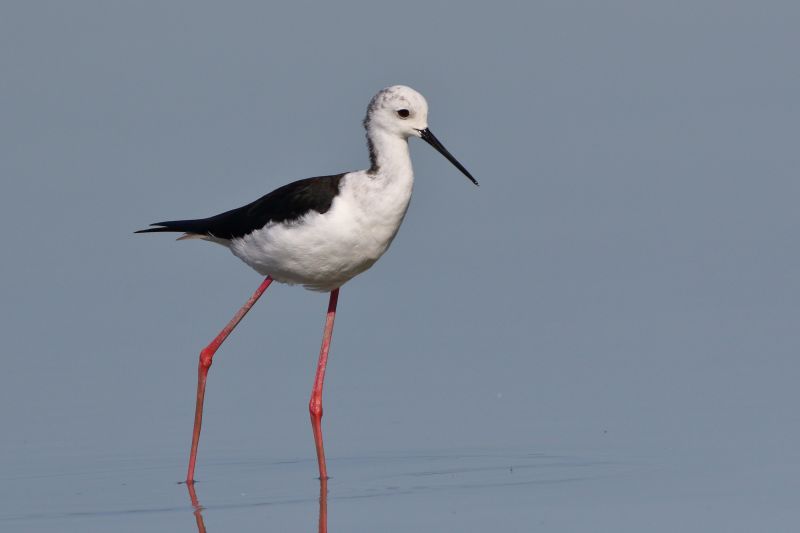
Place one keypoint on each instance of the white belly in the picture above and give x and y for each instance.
(324, 251)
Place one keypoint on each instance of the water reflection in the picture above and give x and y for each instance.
(197, 509)
(420, 478)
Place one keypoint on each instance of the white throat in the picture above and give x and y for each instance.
(388, 154)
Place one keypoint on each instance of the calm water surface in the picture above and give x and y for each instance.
(513, 490)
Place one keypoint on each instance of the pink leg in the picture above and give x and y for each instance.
(323, 506)
(206, 355)
(315, 405)
(198, 509)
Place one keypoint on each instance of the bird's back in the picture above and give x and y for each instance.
(283, 205)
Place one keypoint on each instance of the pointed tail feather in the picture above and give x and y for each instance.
(192, 228)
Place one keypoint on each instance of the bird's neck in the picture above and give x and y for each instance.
(388, 154)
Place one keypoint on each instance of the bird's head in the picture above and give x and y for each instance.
(398, 110)
(401, 111)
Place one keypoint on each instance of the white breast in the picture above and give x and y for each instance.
(322, 251)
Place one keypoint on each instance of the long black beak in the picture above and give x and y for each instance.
(431, 139)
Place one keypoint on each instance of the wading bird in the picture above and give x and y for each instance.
(321, 232)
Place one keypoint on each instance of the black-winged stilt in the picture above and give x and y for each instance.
(321, 232)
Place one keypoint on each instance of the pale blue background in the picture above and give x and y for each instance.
(620, 296)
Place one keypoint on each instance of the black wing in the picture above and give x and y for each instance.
(284, 204)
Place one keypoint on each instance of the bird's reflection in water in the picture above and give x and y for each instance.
(323, 507)
(198, 509)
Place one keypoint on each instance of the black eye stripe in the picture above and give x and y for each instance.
(403, 113)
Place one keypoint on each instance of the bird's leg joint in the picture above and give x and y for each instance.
(315, 408)
(206, 355)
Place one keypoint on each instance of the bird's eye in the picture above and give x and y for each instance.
(403, 113)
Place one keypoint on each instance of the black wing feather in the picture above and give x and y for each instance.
(284, 204)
